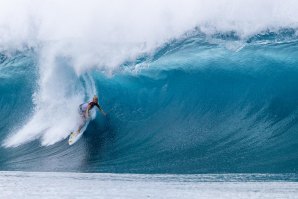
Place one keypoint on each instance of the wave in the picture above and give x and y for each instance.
(197, 104)
(192, 87)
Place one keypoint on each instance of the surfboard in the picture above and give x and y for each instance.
(75, 136)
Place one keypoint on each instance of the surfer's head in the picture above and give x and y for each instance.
(95, 98)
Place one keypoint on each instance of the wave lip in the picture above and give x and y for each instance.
(105, 35)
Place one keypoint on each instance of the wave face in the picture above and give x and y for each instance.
(202, 92)
(196, 105)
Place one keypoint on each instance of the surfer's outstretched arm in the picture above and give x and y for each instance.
(101, 110)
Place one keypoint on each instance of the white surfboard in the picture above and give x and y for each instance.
(74, 136)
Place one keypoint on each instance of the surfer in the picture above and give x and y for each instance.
(84, 110)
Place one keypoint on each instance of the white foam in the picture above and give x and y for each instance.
(104, 33)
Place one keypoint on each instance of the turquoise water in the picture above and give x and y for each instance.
(193, 106)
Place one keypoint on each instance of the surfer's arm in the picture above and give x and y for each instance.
(100, 109)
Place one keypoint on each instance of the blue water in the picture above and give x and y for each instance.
(198, 104)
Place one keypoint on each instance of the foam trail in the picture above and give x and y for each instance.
(56, 101)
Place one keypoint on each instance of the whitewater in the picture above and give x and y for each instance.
(199, 94)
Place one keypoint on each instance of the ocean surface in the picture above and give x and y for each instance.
(98, 185)
(200, 95)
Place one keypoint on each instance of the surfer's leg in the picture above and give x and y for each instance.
(79, 129)
(81, 126)
(83, 120)
(82, 123)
